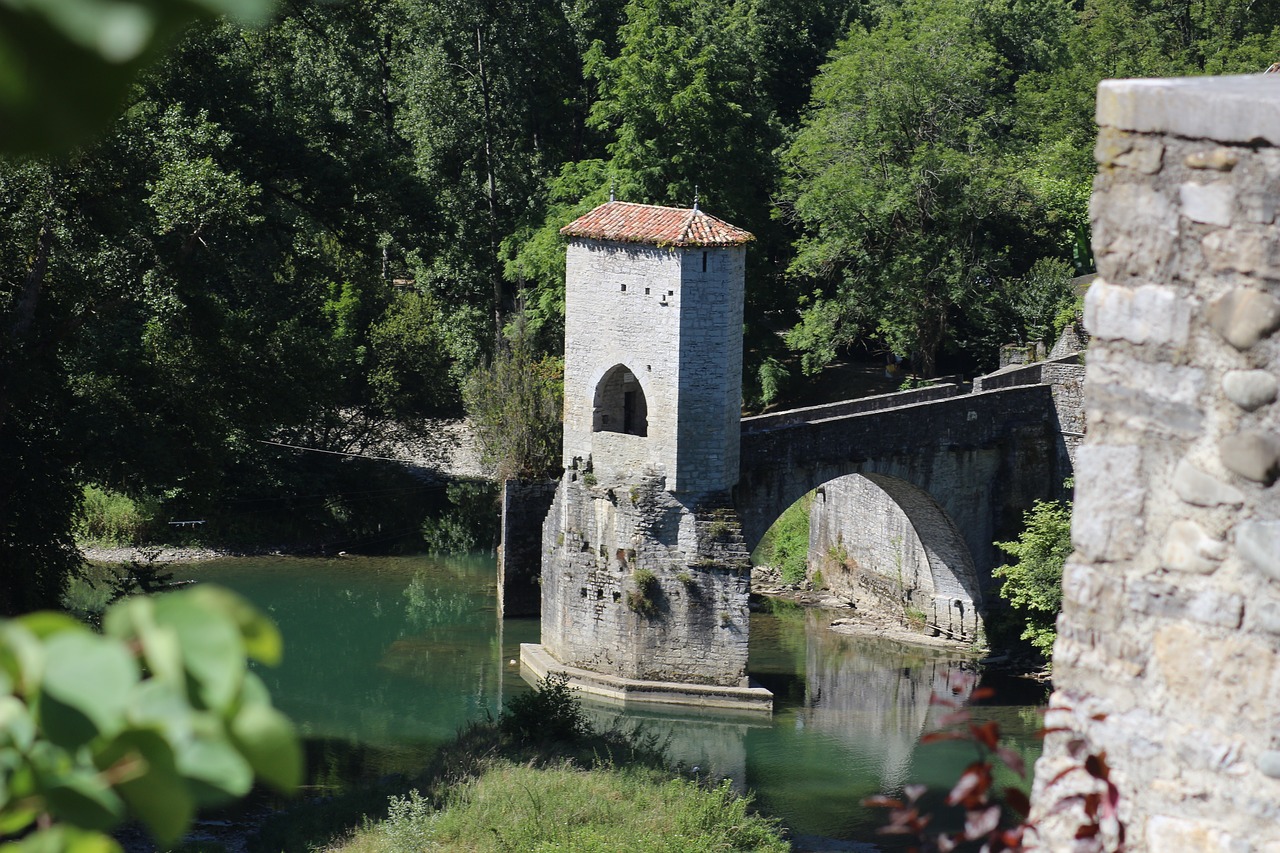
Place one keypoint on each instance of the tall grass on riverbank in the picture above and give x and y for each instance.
(112, 518)
(517, 807)
(540, 777)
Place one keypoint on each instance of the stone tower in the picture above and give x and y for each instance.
(644, 571)
(653, 345)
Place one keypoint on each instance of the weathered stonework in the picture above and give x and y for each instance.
(887, 546)
(645, 586)
(1168, 652)
(644, 570)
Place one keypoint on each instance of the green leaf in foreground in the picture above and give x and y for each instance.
(153, 788)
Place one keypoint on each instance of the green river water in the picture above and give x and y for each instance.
(387, 657)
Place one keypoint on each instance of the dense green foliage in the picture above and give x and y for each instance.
(1033, 584)
(156, 716)
(515, 402)
(313, 232)
(785, 546)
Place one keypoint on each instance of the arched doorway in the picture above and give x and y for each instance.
(620, 404)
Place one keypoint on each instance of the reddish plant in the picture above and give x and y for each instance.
(999, 821)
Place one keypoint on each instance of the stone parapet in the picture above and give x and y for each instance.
(1168, 651)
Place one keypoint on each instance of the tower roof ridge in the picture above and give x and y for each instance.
(628, 222)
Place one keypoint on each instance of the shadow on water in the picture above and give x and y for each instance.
(387, 657)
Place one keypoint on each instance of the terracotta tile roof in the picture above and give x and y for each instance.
(648, 223)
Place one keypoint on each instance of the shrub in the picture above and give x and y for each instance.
(785, 545)
(550, 712)
(514, 404)
(1034, 583)
(76, 756)
(643, 599)
(115, 518)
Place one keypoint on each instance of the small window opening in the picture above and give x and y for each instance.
(704, 261)
(646, 291)
(624, 288)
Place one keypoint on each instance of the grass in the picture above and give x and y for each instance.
(516, 807)
(111, 518)
(539, 778)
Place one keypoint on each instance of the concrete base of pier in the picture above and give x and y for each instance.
(536, 664)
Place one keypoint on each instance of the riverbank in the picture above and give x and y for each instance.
(766, 582)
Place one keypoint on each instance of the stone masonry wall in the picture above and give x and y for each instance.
(678, 328)
(1168, 651)
(644, 585)
(886, 545)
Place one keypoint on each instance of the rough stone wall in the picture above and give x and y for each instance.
(1168, 651)
(524, 508)
(678, 329)
(644, 585)
(887, 545)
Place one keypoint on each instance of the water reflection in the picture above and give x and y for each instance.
(849, 713)
(386, 658)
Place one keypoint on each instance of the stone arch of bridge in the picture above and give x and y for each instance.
(879, 536)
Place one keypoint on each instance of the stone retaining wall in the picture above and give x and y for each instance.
(1168, 652)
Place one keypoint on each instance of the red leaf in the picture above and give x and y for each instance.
(971, 789)
(1065, 803)
(1012, 760)
(1056, 779)
(1096, 766)
(1017, 801)
(1052, 730)
(987, 734)
(1089, 830)
(981, 822)
(982, 693)
(933, 737)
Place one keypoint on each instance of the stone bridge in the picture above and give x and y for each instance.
(911, 489)
(943, 475)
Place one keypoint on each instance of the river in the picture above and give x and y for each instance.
(387, 657)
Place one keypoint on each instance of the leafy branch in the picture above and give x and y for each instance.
(152, 719)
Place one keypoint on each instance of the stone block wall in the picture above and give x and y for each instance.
(674, 318)
(1168, 651)
(645, 586)
(886, 545)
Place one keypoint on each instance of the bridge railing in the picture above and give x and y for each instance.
(1031, 374)
(773, 420)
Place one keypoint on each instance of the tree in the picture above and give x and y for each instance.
(1034, 583)
(908, 204)
(515, 405)
(490, 104)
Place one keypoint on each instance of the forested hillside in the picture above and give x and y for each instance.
(314, 231)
